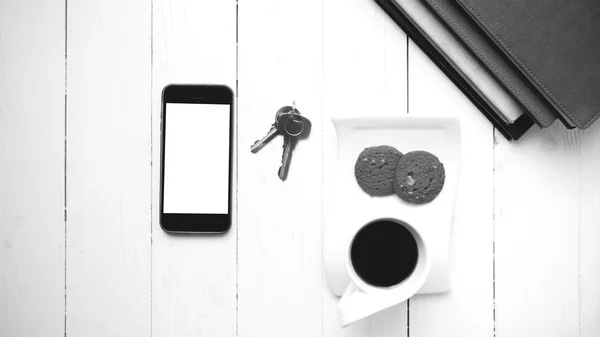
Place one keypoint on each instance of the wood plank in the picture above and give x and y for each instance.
(589, 233)
(108, 167)
(280, 275)
(32, 133)
(194, 277)
(537, 186)
(396, 67)
(467, 310)
(364, 74)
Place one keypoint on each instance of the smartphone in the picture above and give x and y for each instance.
(196, 158)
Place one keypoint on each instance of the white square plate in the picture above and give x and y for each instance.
(346, 207)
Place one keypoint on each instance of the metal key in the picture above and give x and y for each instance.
(272, 132)
(293, 127)
(296, 126)
(288, 146)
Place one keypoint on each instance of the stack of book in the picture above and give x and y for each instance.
(521, 62)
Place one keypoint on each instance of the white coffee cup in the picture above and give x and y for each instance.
(362, 299)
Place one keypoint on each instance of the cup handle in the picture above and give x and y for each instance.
(356, 305)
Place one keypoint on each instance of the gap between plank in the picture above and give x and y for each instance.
(237, 174)
(581, 144)
(494, 144)
(408, 318)
(65, 162)
(151, 163)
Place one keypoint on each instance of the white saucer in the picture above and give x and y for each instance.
(346, 207)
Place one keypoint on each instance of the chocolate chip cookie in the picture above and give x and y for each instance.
(374, 169)
(419, 177)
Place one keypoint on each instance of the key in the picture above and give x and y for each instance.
(293, 127)
(293, 123)
(262, 142)
(272, 132)
(288, 146)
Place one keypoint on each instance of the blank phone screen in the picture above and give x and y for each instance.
(196, 167)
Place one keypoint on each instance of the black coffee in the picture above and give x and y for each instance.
(384, 253)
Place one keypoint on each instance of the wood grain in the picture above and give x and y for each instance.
(467, 310)
(280, 273)
(536, 192)
(32, 135)
(108, 168)
(193, 277)
(364, 74)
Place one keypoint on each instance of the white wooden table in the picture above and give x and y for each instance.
(81, 249)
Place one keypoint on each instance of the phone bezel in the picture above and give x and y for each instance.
(195, 223)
